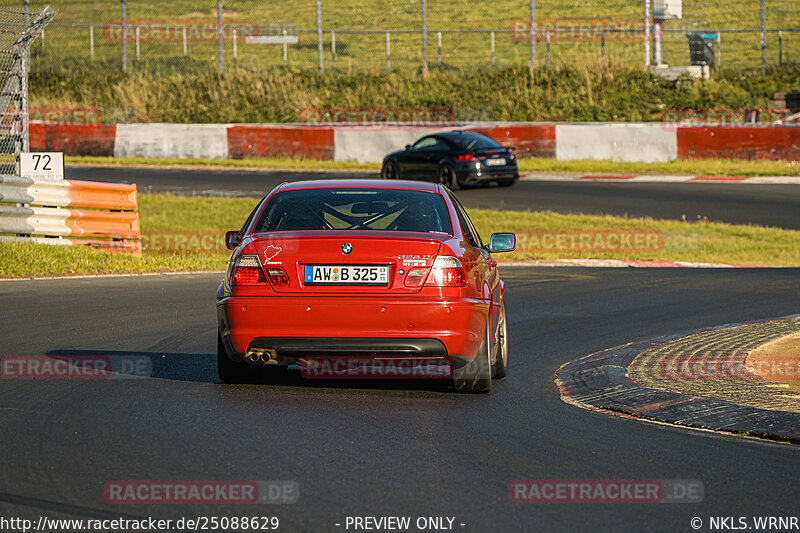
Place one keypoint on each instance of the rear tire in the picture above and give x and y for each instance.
(229, 371)
(389, 171)
(476, 376)
(500, 366)
(449, 178)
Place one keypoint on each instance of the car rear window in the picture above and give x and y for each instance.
(474, 141)
(355, 209)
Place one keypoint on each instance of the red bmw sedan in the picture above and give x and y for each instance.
(391, 271)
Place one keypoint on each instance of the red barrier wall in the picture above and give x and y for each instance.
(73, 139)
(529, 140)
(276, 141)
(739, 143)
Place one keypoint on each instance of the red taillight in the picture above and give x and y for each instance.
(278, 277)
(248, 271)
(447, 277)
(416, 277)
(464, 157)
(447, 272)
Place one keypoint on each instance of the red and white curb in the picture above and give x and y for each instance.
(758, 180)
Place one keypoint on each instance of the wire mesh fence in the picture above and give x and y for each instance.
(18, 29)
(363, 35)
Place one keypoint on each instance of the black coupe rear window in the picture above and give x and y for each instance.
(473, 141)
(355, 209)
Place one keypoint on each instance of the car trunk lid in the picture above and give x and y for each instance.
(394, 253)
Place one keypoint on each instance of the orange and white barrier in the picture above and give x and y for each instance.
(99, 215)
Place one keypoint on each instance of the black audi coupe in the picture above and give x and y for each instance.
(454, 159)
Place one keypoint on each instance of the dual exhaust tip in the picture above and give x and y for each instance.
(261, 356)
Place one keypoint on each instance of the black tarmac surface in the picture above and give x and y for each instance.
(372, 450)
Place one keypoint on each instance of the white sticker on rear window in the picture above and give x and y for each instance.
(270, 252)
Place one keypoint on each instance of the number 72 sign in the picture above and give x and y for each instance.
(42, 165)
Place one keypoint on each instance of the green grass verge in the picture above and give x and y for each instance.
(700, 241)
(286, 163)
(697, 167)
(160, 214)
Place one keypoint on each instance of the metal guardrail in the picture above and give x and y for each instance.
(99, 215)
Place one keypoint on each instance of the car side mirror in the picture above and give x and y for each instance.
(408, 147)
(233, 239)
(502, 242)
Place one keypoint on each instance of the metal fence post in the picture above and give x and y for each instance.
(285, 49)
(658, 33)
(220, 42)
(185, 44)
(124, 12)
(719, 49)
(763, 37)
(388, 51)
(424, 37)
(646, 33)
(548, 47)
(603, 46)
(780, 48)
(333, 49)
(25, 145)
(320, 58)
(533, 32)
(235, 58)
(27, 23)
(439, 46)
(492, 39)
(91, 41)
(137, 43)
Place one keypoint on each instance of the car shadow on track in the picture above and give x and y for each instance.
(202, 368)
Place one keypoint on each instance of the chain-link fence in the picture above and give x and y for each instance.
(18, 29)
(364, 35)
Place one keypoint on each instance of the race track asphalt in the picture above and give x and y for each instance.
(386, 449)
(766, 205)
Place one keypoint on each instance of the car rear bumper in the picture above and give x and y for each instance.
(473, 175)
(401, 327)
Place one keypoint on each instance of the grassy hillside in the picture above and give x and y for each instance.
(281, 95)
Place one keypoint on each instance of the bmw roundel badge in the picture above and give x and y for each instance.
(347, 248)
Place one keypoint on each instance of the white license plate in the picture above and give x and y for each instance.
(496, 162)
(346, 275)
